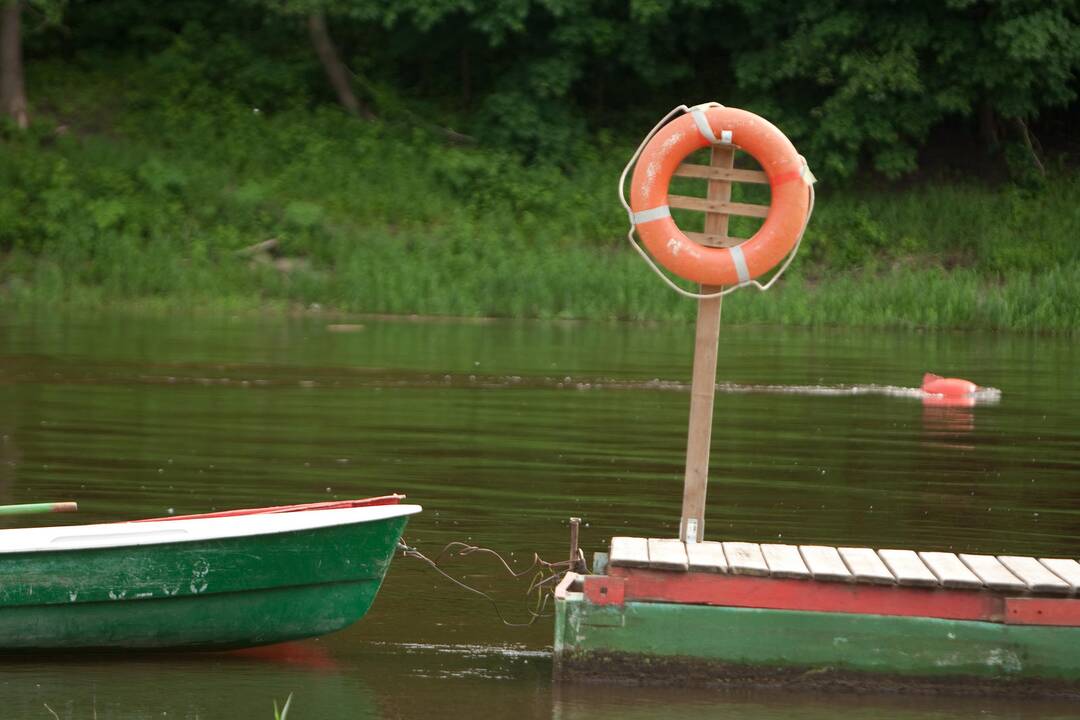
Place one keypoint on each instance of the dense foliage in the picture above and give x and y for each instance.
(858, 83)
(170, 139)
(162, 203)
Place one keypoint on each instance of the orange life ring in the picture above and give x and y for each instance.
(651, 215)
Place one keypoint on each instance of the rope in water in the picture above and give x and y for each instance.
(545, 574)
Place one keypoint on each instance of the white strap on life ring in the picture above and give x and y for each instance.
(698, 113)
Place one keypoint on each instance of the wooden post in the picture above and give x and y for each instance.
(575, 523)
(703, 385)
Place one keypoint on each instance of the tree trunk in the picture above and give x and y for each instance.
(336, 71)
(988, 127)
(466, 78)
(12, 89)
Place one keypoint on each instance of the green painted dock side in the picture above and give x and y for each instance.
(698, 644)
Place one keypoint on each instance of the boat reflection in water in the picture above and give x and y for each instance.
(218, 686)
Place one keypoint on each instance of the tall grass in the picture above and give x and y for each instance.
(283, 714)
(147, 203)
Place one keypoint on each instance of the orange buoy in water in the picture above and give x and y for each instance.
(949, 387)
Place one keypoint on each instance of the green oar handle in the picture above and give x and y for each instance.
(33, 508)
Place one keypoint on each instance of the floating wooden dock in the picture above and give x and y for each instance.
(719, 613)
(688, 612)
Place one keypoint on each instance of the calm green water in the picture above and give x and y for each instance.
(502, 431)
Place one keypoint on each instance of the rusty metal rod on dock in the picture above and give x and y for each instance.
(575, 524)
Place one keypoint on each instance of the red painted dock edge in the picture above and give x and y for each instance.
(1042, 611)
(625, 584)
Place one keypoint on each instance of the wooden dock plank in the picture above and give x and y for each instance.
(667, 554)
(706, 556)
(1037, 577)
(1066, 569)
(908, 568)
(1008, 573)
(745, 558)
(993, 574)
(950, 571)
(825, 563)
(784, 561)
(629, 552)
(866, 566)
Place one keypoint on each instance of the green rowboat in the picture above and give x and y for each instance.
(217, 581)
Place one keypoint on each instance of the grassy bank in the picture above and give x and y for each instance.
(119, 196)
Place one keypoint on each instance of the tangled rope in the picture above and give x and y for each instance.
(544, 576)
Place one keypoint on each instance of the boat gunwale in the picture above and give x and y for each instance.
(102, 536)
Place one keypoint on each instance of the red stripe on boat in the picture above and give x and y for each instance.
(806, 595)
(327, 505)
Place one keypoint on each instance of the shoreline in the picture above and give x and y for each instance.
(903, 301)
